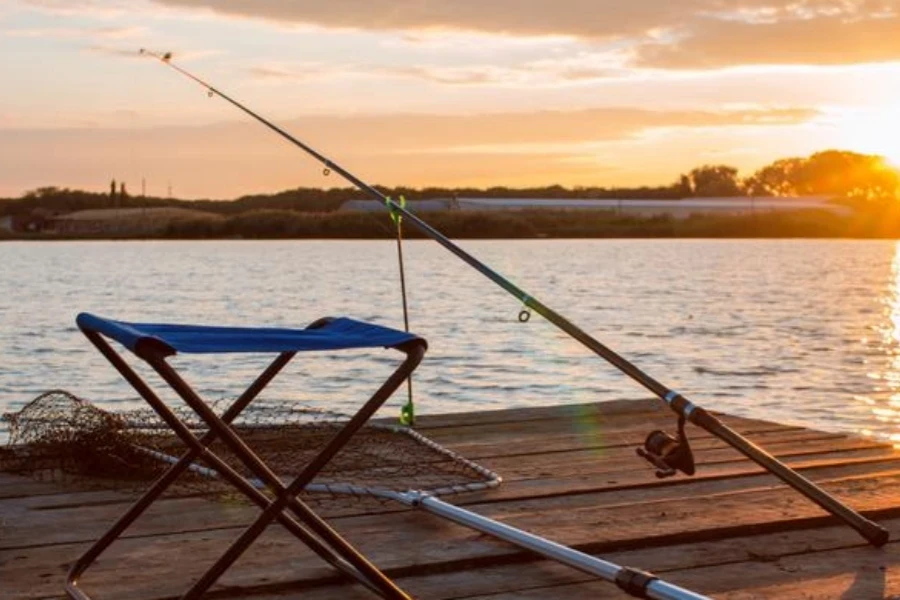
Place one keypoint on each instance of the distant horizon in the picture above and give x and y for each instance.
(880, 165)
(462, 94)
(350, 189)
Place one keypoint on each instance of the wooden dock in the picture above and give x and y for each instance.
(570, 474)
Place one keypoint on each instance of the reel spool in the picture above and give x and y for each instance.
(668, 453)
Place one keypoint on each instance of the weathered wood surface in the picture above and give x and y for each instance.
(570, 474)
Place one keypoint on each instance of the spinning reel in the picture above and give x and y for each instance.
(668, 453)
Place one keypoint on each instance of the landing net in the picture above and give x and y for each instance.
(61, 437)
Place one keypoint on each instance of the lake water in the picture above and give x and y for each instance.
(799, 331)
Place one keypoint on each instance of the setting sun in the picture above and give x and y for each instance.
(874, 131)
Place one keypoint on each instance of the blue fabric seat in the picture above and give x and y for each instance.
(333, 334)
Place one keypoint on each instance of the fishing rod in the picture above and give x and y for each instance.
(667, 453)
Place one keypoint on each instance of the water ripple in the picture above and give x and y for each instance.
(802, 331)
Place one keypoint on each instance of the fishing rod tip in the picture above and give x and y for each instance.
(164, 57)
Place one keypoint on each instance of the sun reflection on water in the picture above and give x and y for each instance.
(888, 412)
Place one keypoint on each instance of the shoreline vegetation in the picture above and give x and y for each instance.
(525, 224)
(863, 191)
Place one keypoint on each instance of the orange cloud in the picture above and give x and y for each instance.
(443, 131)
(232, 159)
(665, 33)
(822, 41)
(588, 18)
(68, 32)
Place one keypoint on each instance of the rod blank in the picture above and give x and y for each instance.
(871, 531)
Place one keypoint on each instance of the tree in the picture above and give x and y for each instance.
(849, 175)
(713, 180)
(830, 173)
(778, 179)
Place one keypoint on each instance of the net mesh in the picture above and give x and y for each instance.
(61, 437)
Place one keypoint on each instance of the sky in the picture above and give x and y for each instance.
(432, 92)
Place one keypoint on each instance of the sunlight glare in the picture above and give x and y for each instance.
(888, 412)
(876, 131)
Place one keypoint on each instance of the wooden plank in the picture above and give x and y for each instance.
(735, 475)
(541, 442)
(558, 464)
(33, 521)
(28, 528)
(584, 426)
(614, 410)
(851, 573)
(536, 413)
(16, 486)
(423, 543)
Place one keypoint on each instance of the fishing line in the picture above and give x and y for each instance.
(408, 411)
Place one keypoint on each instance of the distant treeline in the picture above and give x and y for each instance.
(285, 224)
(855, 178)
(311, 200)
(275, 224)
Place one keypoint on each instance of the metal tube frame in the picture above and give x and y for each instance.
(305, 524)
(635, 582)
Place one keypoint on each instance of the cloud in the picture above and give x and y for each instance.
(577, 68)
(81, 8)
(106, 33)
(664, 33)
(830, 40)
(533, 73)
(269, 73)
(420, 132)
(118, 33)
(475, 75)
(593, 18)
(414, 132)
(230, 159)
(93, 40)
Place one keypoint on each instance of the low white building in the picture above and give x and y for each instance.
(679, 209)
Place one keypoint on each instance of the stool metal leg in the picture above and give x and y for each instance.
(286, 497)
(171, 474)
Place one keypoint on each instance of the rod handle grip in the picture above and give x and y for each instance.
(876, 535)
